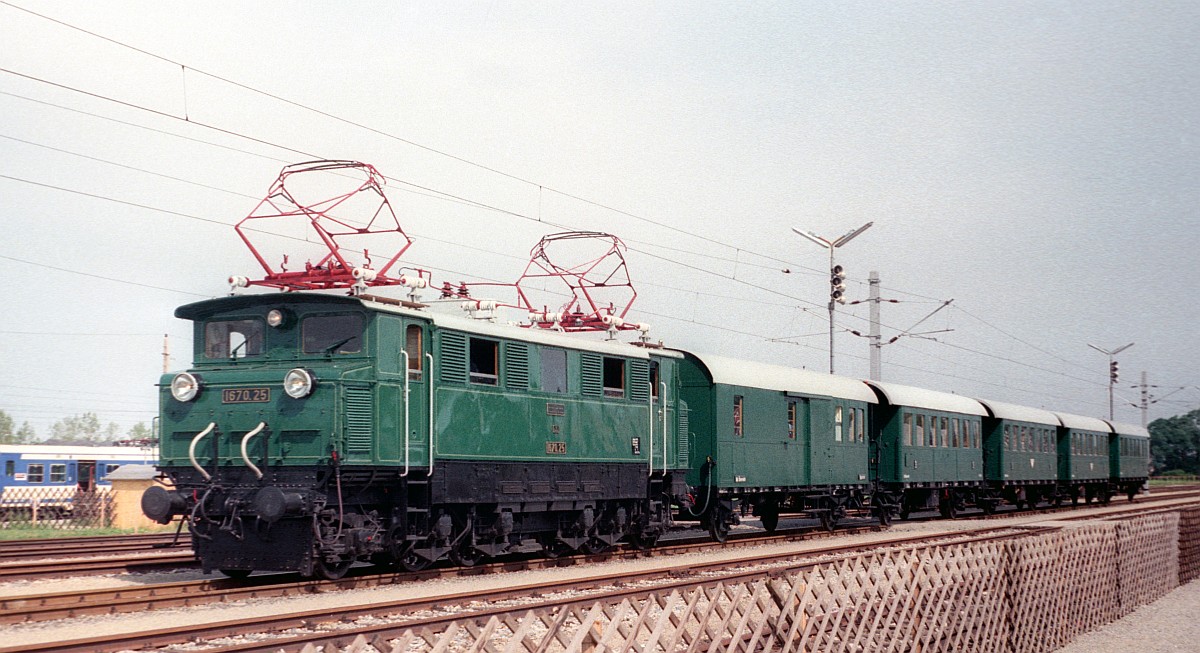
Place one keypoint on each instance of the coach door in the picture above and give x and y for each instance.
(87, 475)
(403, 391)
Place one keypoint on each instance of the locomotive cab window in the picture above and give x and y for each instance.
(233, 338)
(332, 334)
(614, 377)
(413, 341)
(485, 361)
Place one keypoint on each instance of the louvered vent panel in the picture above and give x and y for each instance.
(682, 441)
(639, 374)
(453, 363)
(593, 374)
(516, 366)
(360, 416)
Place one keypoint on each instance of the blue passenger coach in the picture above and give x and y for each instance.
(74, 467)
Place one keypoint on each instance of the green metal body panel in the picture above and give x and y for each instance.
(1083, 455)
(358, 407)
(1129, 457)
(911, 453)
(767, 454)
(1027, 454)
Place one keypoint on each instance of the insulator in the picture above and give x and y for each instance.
(414, 282)
(643, 327)
(479, 305)
(364, 274)
(612, 321)
(239, 282)
(546, 317)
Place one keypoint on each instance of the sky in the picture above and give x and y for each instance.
(1038, 163)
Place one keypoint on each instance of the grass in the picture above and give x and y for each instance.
(21, 532)
(1166, 481)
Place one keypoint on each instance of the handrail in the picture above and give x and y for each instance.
(429, 380)
(663, 394)
(246, 456)
(650, 437)
(404, 353)
(192, 450)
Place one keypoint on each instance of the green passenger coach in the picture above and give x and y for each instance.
(1129, 456)
(930, 448)
(1022, 452)
(774, 438)
(1083, 457)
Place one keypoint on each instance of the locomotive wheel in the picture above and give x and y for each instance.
(333, 570)
(885, 515)
(596, 546)
(827, 520)
(465, 556)
(237, 574)
(770, 517)
(718, 528)
(413, 562)
(645, 542)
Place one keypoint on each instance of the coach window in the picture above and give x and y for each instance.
(10, 468)
(332, 334)
(485, 361)
(737, 416)
(58, 473)
(945, 432)
(862, 425)
(954, 441)
(920, 430)
(614, 377)
(975, 435)
(837, 424)
(908, 430)
(233, 338)
(554, 370)
(852, 427)
(791, 420)
(35, 473)
(413, 344)
(1007, 438)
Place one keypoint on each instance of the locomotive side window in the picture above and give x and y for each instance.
(614, 377)
(554, 370)
(485, 361)
(35, 473)
(332, 334)
(654, 380)
(413, 340)
(58, 473)
(233, 338)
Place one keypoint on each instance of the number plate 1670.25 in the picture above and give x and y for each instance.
(245, 395)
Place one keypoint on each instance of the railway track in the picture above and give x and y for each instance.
(67, 547)
(190, 594)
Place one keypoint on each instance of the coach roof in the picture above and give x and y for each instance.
(729, 371)
(904, 395)
(1019, 413)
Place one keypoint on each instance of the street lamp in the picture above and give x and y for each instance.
(1112, 371)
(836, 277)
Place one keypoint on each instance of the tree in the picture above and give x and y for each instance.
(1175, 443)
(26, 434)
(78, 428)
(140, 432)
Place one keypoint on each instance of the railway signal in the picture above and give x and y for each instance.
(837, 284)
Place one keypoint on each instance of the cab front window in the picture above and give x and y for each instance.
(332, 334)
(233, 338)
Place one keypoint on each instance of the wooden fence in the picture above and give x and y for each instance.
(1025, 595)
(64, 507)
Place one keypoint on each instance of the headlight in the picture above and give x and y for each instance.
(276, 317)
(298, 383)
(185, 387)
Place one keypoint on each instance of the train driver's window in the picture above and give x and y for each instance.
(413, 345)
(233, 338)
(614, 377)
(485, 361)
(332, 334)
(35, 473)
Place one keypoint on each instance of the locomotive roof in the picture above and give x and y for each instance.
(206, 308)
(750, 374)
(904, 395)
(1083, 423)
(1020, 413)
(1128, 429)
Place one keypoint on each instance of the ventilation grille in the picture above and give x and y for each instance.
(516, 366)
(360, 415)
(593, 374)
(682, 441)
(639, 372)
(453, 364)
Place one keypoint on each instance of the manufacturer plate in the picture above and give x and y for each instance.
(245, 395)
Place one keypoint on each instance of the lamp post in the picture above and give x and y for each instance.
(1112, 371)
(837, 286)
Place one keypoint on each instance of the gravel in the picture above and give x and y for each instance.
(1169, 625)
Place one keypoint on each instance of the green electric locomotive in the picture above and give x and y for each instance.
(313, 431)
